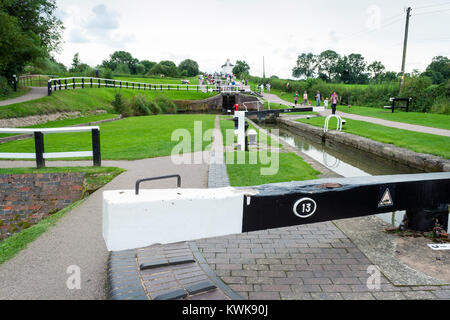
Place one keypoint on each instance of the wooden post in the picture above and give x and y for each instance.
(96, 147)
(39, 149)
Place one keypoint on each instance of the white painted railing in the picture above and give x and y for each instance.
(339, 122)
(40, 155)
(88, 82)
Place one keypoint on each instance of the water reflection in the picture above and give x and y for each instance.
(346, 161)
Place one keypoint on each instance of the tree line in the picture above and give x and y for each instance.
(29, 33)
(123, 63)
(354, 69)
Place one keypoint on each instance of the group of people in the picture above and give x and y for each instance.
(333, 98)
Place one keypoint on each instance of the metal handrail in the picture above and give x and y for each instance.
(138, 182)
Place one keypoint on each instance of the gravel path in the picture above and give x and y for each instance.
(39, 271)
(34, 93)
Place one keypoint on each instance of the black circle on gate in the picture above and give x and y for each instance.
(304, 208)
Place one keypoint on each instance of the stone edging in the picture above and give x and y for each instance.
(421, 161)
(122, 277)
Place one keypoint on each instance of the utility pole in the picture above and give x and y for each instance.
(264, 69)
(402, 79)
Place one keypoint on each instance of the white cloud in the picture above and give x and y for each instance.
(210, 31)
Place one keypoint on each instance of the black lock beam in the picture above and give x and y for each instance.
(302, 202)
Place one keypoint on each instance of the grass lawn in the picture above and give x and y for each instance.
(290, 168)
(95, 178)
(415, 141)
(226, 124)
(84, 100)
(128, 139)
(157, 80)
(15, 94)
(424, 119)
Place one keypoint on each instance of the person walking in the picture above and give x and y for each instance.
(305, 98)
(295, 98)
(334, 100)
(318, 98)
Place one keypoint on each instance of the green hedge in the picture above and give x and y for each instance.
(426, 97)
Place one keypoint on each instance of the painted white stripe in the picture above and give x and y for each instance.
(48, 130)
(7, 155)
(169, 215)
(440, 246)
(75, 154)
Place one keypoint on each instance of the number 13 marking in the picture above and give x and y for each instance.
(307, 207)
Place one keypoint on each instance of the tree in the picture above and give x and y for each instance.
(166, 68)
(357, 68)
(438, 70)
(241, 68)
(171, 69)
(306, 66)
(376, 69)
(389, 76)
(28, 31)
(148, 65)
(121, 57)
(75, 62)
(140, 69)
(37, 17)
(190, 67)
(326, 64)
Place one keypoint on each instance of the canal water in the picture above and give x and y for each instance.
(345, 161)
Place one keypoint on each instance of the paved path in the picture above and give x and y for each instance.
(399, 125)
(34, 93)
(39, 271)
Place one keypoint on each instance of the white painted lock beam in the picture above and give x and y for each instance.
(133, 221)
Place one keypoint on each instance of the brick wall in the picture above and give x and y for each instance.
(27, 198)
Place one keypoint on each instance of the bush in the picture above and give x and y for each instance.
(154, 107)
(5, 88)
(105, 73)
(140, 106)
(165, 104)
(121, 106)
(441, 105)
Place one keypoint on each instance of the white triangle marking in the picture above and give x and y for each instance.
(386, 199)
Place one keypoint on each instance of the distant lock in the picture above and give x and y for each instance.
(305, 207)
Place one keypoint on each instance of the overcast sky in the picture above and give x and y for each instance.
(210, 31)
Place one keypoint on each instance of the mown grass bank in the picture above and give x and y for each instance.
(281, 167)
(88, 99)
(127, 139)
(414, 141)
(420, 118)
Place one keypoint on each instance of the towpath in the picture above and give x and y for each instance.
(34, 93)
(399, 125)
(39, 271)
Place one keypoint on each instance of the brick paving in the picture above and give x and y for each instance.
(308, 262)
